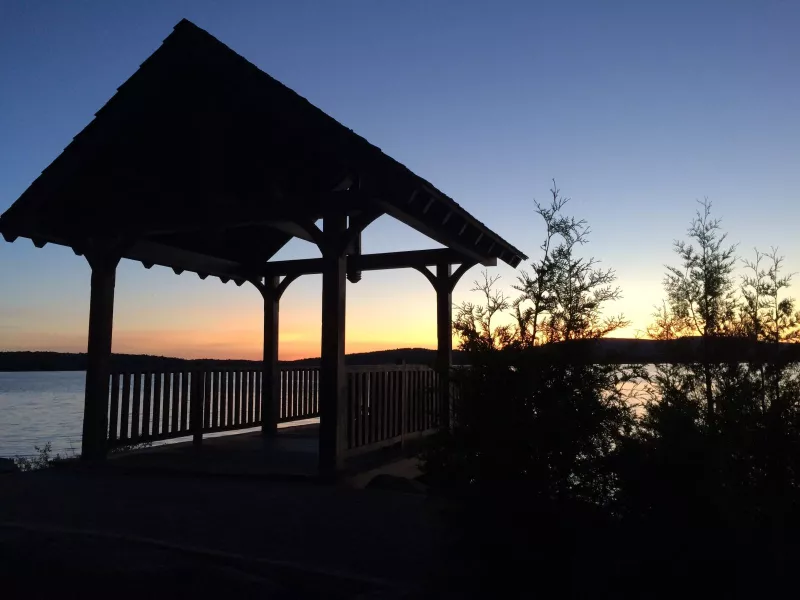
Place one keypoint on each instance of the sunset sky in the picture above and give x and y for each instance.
(637, 109)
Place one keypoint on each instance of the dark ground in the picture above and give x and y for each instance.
(146, 535)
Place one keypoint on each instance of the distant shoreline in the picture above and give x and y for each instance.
(29, 361)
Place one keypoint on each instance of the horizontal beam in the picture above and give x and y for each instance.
(688, 350)
(412, 259)
(375, 262)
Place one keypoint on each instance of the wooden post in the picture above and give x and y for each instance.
(333, 401)
(354, 276)
(98, 365)
(444, 335)
(270, 372)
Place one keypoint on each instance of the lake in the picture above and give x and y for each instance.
(41, 407)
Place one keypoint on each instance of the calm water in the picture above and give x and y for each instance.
(36, 408)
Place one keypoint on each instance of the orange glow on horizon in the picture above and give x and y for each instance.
(378, 318)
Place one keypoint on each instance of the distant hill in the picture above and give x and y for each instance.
(67, 361)
(412, 356)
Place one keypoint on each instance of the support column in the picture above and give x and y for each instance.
(444, 336)
(98, 367)
(270, 372)
(333, 382)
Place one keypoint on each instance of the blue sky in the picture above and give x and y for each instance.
(636, 108)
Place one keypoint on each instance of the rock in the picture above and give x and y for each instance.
(7, 465)
(393, 483)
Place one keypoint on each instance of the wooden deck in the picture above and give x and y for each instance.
(291, 455)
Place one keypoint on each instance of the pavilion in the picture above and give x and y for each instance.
(201, 162)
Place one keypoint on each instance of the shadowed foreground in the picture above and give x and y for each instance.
(149, 534)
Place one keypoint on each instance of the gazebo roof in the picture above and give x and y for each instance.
(203, 162)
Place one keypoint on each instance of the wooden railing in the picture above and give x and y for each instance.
(386, 404)
(150, 406)
(299, 394)
(390, 404)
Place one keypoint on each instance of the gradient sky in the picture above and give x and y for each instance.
(636, 108)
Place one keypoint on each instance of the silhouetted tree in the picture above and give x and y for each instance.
(528, 456)
(712, 458)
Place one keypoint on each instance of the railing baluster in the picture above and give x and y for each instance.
(313, 391)
(309, 390)
(113, 414)
(385, 405)
(419, 397)
(235, 398)
(381, 405)
(243, 401)
(251, 388)
(287, 394)
(195, 390)
(389, 396)
(146, 400)
(207, 393)
(363, 402)
(220, 407)
(225, 398)
(211, 384)
(309, 386)
(353, 385)
(219, 396)
(316, 391)
(166, 403)
(408, 407)
(229, 399)
(137, 393)
(254, 399)
(373, 408)
(350, 412)
(232, 381)
(258, 397)
(362, 412)
(425, 399)
(298, 393)
(156, 403)
(398, 402)
(237, 395)
(245, 395)
(125, 413)
(185, 393)
(307, 393)
(404, 403)
(281, 395)
(175, 401)
(246, 399)
(420, 406)
(293, 393)
(304, 396)
(301, 374)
